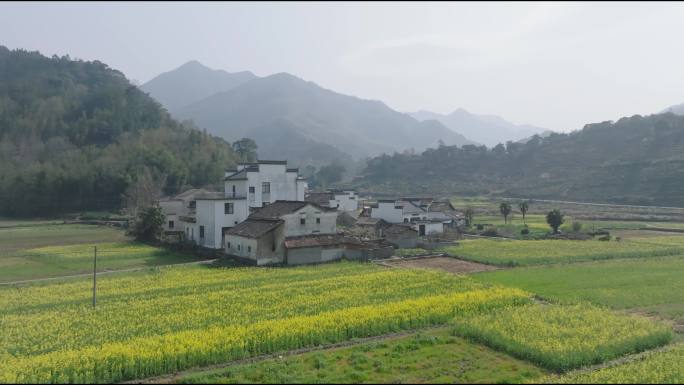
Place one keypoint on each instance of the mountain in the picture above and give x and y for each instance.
(677, 109)
(192, 82)
(266, 108)
(636, 160)
(76, 135)
(489, 130)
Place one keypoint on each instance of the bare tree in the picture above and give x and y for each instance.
(143, 192)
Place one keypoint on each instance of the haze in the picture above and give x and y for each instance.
(558, 66)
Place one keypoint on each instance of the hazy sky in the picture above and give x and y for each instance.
(553, 65)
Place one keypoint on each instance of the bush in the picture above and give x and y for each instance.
(480, 227)
(605, 238)
(490, 232)
(576, 226)
(525, 231)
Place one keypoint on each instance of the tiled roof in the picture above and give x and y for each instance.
(240, 175)
(254, 228)
(399, 229)
(279, 208)
(321, 198)
(319, 240)
(368, 221)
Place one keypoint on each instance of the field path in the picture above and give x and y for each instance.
(203, 262)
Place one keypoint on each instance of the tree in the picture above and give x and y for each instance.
(143, 192)
(555, 219)
(505, 209)
(246, 149)
(524, 207)
(149, 224)
(330, 174)
(469, 213)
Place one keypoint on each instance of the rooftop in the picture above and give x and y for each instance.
(279, 208)
(254, 228)
(319, 240)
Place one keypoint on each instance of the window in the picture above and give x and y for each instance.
(227, 208)
(318, 221)
(266, 188)
(228, 245)
(238, 247)
(201, 231)
(249, 249)
(233, 191)
(170, 224)
(273, 248)
(251, 189)
(193, 204)
(302, 221)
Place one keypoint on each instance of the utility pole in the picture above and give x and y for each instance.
(94, 275)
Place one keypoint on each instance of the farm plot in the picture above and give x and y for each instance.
(666, 367)
(56, 261)
(525, 253)
(652, 285)
(171, 319)
(432, 356)
(561, 338)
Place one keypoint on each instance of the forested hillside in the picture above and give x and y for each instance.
(74, 135)
(636, 160)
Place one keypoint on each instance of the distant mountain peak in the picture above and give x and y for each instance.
(489, 130)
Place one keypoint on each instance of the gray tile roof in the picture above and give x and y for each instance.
(240, 175)
(279, 208)
(254, 228)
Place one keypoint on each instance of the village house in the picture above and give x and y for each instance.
(294, 233)
(203, 216)
(425, 215)
(342, 200)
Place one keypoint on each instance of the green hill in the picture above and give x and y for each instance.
(75, 134)
(636, 160)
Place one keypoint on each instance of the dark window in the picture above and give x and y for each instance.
(201, 231)
(193, 204)
(228, 245)
(266, 188)
(318, 220)
(170, 224)
(251, 189)
(228, 208)
(249, 249)
(274, 245)
(238, 247)
(233, 191)
(405, 220)
(302, 221)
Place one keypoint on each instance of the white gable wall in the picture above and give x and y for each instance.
(294, 227)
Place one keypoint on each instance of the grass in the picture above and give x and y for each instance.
(48, 250)
(539, 252)
(432, 356)
(57, 261)
(666, 367)
(561, 338)
(13, 239)
(654, 285)
(410, 252)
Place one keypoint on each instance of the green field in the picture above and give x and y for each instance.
(563, 337)
(665, 367)
(433, 356)
(48, 251)
(654, 285)
(539, 252)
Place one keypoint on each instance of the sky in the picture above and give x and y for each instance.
(554, 65)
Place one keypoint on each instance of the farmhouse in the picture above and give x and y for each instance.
(342, 200)
(201, 216)
(293, 233)
(425, 215)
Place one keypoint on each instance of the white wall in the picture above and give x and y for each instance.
(293, 226)
(283, 185)
(430, 227)
(211, 215)
(347, 201)
(388, 212)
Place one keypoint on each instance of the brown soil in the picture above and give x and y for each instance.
(452, 265)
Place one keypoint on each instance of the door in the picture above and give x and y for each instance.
(421, 230)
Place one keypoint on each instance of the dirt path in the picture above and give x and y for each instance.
(172, 378)
(205, 262)
(449, 264)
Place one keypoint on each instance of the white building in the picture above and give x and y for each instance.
(176, 207)
(248, 186)
(342, 200)
(425, 215)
